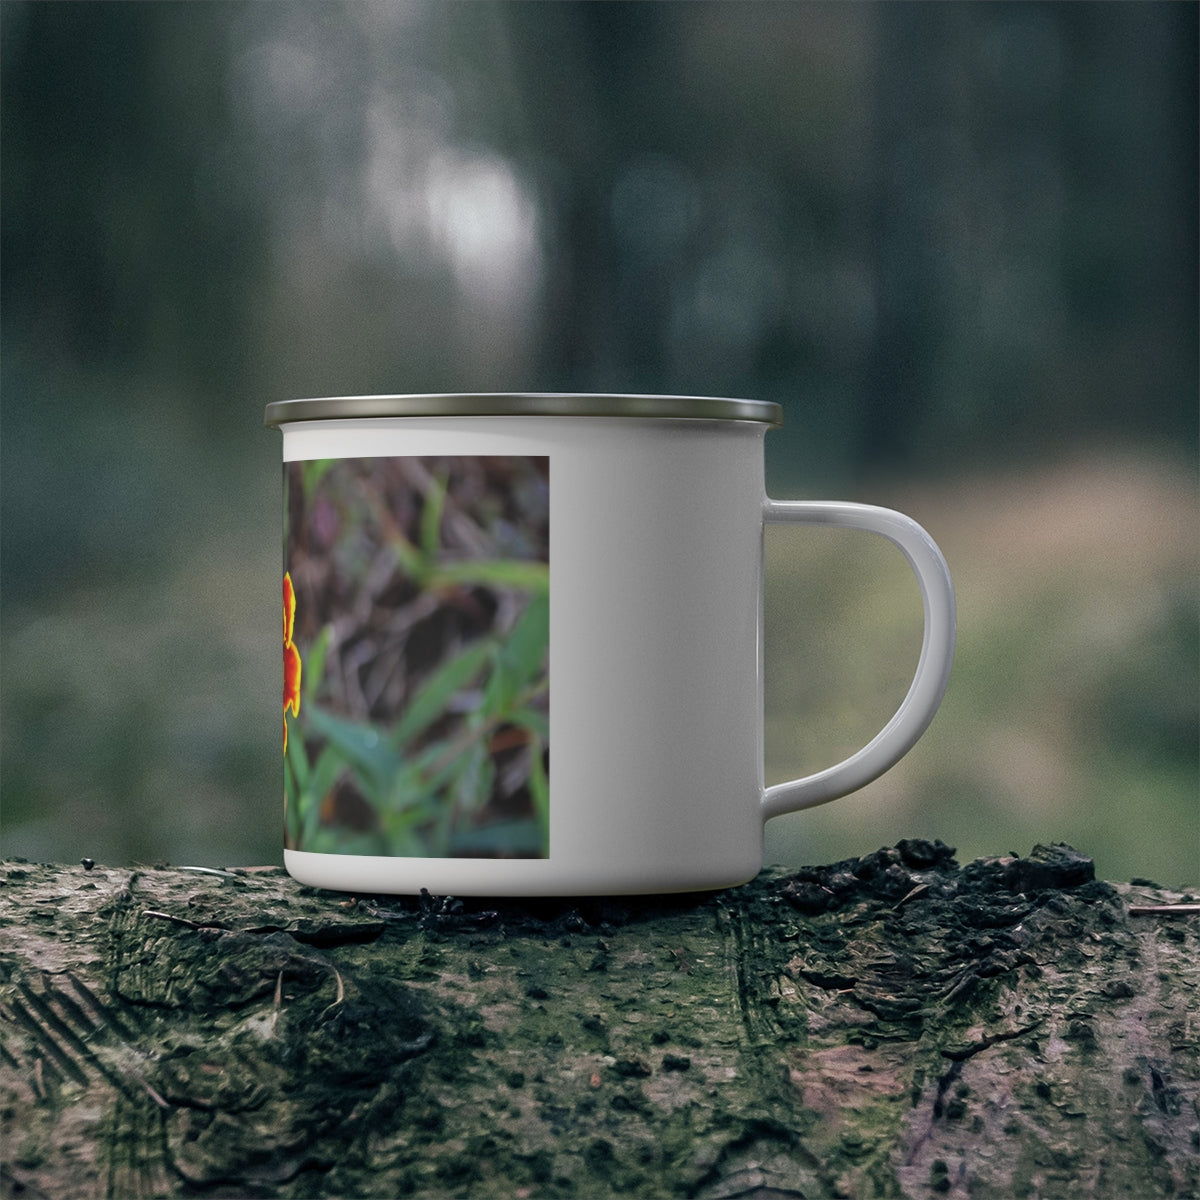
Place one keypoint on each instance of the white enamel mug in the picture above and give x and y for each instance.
(469, 578)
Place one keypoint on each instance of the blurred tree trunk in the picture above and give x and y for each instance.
(890, 1026)
(582, 73)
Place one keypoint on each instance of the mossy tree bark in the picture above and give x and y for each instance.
(890, 1026)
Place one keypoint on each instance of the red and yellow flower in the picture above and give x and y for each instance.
(291, 657)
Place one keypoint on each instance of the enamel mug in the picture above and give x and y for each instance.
(522, 643)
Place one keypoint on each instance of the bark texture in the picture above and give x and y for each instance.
(895, 1025)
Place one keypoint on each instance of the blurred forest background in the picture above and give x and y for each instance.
(957, 242)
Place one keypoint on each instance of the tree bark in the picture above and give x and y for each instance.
(894, 1025)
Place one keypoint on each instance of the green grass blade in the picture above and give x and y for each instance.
(524, 575)
(360, 745)
(520, 659)
(314, 664)
(431, 516)
(314, 470)
(435, 694)
(521, 837)
(539, 786)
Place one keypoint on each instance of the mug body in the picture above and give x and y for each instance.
(646, 716)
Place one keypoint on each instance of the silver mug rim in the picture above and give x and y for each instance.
(522, 404)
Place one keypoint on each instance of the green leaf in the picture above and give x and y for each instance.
(436, 766)
(327, 840)
(521, 837)
(325, 774)
(475, 779)
(525, 647)
(522, 574)
(400, 830)
(434, 696)
(310, 817)
(534, 720)
(359, 843)
(291, 806)
(539, 786)
(314, 470)
(314, 664)
(499, 692)
(520, 659)
(361, 746)
(431, 516)
(412, 562)
(297, 758)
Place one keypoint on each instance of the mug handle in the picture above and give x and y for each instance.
(925, 693)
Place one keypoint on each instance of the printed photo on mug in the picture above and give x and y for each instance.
(416, 602)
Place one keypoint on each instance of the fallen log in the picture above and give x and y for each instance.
(894, 1025)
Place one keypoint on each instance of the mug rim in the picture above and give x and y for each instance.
(522, 404)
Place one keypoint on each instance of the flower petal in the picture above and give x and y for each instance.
(292, 668)
(289, 608)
